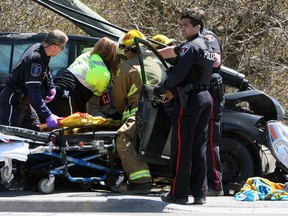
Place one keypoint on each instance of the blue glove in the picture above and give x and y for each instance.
(51, 95)
(52, 121)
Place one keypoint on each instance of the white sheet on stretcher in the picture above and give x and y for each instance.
(18, 150)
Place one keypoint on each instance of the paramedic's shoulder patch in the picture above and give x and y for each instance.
(184, 49)
(36, 70)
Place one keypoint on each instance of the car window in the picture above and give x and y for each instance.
(86, 49)
(18, 51)
(5, 53)
(57, 63)
(84, 46)
(12, 50)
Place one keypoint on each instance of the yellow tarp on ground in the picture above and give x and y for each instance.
(81, 119)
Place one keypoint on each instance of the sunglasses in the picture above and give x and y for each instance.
(61, 47)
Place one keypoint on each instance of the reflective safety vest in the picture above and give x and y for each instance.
(92, 72)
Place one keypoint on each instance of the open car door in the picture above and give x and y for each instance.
(153, 124)
(83, 17)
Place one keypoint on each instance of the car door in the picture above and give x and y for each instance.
(153, 126)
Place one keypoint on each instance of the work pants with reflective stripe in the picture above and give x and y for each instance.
(136, 170)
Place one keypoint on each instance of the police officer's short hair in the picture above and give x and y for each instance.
(196, 16)
(55, 37)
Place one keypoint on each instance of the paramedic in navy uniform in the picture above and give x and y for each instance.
(30, 85)
(189, 81)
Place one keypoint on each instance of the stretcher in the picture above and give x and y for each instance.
(11, 147)
(81, 150)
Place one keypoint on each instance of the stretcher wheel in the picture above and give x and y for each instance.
(5, 186)
(5, 174)
(86, 186)
(44, 187)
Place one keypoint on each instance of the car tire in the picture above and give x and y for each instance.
(237, 164)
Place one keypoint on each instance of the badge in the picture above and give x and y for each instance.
(184, 49)
(36, 70)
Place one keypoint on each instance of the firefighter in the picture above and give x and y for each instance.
(163, 40)
(189, 80)
(166, 42)
(126, 92)
(88, 75)
(30, 85)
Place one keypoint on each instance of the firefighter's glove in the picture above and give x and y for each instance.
(51, 95)
(52, 121)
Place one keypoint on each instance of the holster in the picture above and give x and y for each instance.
(216, 89)
(182, 96)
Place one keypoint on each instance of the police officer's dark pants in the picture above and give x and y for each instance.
(15, 113)
(214, 168)
(188, 146)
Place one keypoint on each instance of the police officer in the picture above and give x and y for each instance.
(88, 75)
(126, 93)
(30, 85)
(190, 78)
(214, 167)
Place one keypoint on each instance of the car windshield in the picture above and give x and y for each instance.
(56, 64)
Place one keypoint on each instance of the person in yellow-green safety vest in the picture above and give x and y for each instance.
(90, 74)
(126, 92)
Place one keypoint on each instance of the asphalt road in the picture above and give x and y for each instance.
(104, 203)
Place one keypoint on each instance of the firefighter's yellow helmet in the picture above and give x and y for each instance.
(162, 39)
(128, 39)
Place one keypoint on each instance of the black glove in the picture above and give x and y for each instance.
(169, 70)
(156, 92)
